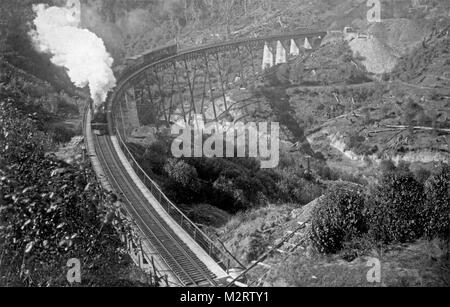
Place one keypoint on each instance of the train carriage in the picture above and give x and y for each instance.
(160, 53)
(136, 62)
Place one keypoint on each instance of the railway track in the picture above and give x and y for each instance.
(199, 51)
(180, 259)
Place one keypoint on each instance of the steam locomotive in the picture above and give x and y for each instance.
(99, 121)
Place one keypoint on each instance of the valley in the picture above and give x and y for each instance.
(364, 152)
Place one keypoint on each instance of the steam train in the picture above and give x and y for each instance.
(99, 121)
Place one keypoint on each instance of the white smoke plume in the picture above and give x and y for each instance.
(83, 53)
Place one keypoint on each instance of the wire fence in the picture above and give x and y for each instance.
(134, 249)
(203, 240)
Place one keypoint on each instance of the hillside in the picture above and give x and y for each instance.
(356, 121)
(427, 66)
(51, 207)
(332, 103)
(138, 26)
(364, 157)
(299, 266)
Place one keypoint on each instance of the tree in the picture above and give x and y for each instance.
(228, 8)
(395, 208)
(51, 211)
(182, 173)
(437, 205)
(337, 218)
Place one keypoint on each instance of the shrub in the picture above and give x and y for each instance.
(61, 134)
(154, 158)
(229, 196)
(268, 180)
(182, 174)
(258, 245)
(221, 176)
(325, 172)
(338, 218)
(387, 166)
(394, 208)
(437, 205)
(422, 175)
(51, 211)
(293, 187)
(34, 90)
(358, 247)
(65, 106)
(242, 187)
(410, 112)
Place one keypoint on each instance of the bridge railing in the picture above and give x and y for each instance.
(219, 255)
(199, 51)
(157, 273)
(223, 259)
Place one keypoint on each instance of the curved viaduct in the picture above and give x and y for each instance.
(193, 82)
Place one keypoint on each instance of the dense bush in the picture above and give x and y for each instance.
(236, 189)
(230, 184)
(294, 187)
(183, 175)
(51, 212)
(15, 21)
(397, 209)
(437, 206)
(60, 133)
(181, 172)
(154, 158)
(39, 100)
(258, 246)
(338, 218)
(233, 184)
(394, 208)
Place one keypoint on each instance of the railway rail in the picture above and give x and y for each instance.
(177, 256)
(200, 51)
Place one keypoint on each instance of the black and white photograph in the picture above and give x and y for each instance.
(241, 145)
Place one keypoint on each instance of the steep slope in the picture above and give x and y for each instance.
(378, 57)
(428, 64)
(382, 44)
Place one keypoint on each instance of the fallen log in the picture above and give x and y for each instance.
(417, 128)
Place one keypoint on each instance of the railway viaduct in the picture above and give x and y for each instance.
(174, 90)
(196, 81)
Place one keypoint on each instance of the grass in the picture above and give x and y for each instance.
(247, 234)
(422, 264)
